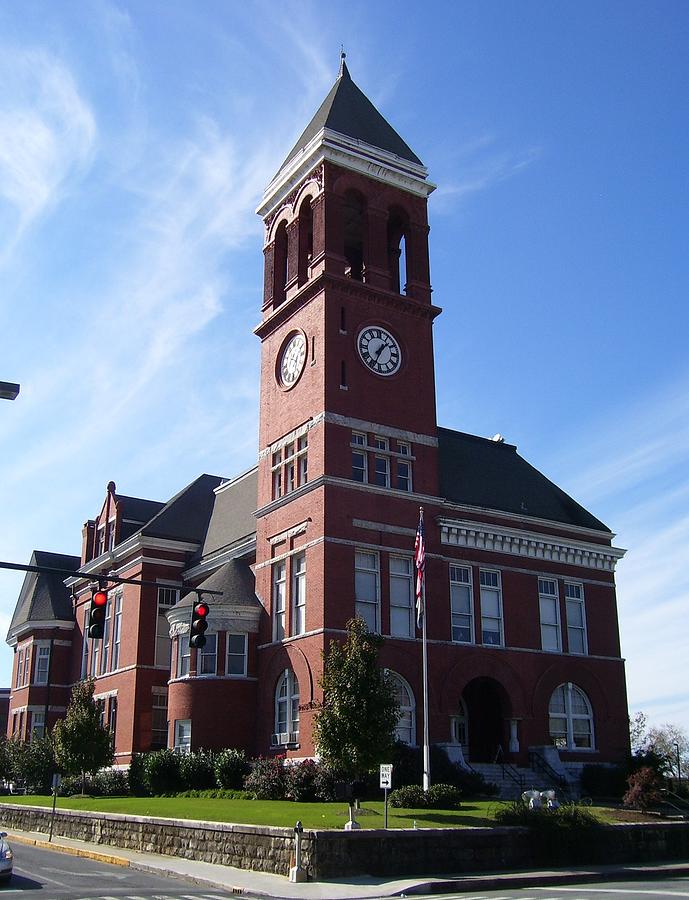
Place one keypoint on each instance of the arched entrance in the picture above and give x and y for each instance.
(487, 711)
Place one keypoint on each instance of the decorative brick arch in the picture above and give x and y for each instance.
(562, 672)
(284, 215)
(291, 657)
(489, 665)
(310, 189)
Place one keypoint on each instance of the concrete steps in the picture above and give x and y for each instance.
(508, 787)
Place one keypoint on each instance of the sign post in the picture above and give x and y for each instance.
(386, 783)
(56, 787)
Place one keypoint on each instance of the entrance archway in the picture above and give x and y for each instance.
(488, 709)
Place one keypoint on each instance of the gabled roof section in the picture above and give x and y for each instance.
(236, 581)
(135, 512)
(233, 520)
(186, 516)
(43, 596)
(489, 474)
(347, 110)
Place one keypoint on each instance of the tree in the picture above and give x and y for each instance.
(355, 725)
(82, 743)
(666, 741)
(637, 732)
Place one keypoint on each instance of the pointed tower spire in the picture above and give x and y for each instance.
(344, 71)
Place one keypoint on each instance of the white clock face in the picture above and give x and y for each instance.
(292, 360)
(379, 351)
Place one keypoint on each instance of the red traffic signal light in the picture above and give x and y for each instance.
(99, 601)
(198, 624)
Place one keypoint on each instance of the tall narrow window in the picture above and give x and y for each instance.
(549, 607)
(280, 265)
(207, 663)
(359, 457)
(111, 534)
(95, 657)
(403, 467)
(37, 725)
(382, 478)
(182, 735)
(576, 618)
(42, 665)
(305, 240)
(167, 598)
(299, 593)
(159, 719)
(461, 605)
(278, 601)
(85, 646)
(20, 669)
(405, 730)
(367, 589)
(27, 665)
(354, 220)
(491, 608)
(106, 637)
(397, 251)
(112, 719)
(401, 597)
(183, 655)
(117, 632)
(276, 466)
(286, 709)
(236, 654)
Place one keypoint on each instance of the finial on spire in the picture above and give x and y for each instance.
(343, 65)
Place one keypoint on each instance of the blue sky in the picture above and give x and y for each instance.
(135, 142)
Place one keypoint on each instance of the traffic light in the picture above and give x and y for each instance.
(99, 600)
(198, 625)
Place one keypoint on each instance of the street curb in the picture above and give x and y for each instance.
(71, 851)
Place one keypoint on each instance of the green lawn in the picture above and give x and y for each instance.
(275, 812)
(285, 813)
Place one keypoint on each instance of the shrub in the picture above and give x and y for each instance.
(33, 763)
(603, 781)
(410, 796)
(231, 768)
(266, 780)
(196, 770)
(162, 772)
(644, 789)
(565, 835)
(324, 783)
(214, 794)
(308, 781)
(71, 785)
(443, 796)
(109, 783)
(137, 775)
(407, 768)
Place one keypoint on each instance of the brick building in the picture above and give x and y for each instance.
(523, 641)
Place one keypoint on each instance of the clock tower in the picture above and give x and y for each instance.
(348, 435)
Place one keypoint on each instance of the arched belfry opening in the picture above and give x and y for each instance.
(280, 265)
(354, 228)
(305, 240)
(398, 259)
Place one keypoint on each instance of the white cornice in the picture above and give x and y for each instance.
(37, 625)
(497, 539)
(348, 153)
(237, 551)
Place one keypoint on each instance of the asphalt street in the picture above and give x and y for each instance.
(58, 875)
(632, 890)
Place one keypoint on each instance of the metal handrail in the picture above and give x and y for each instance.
(537, 762)
(509, 769)
(683, 806)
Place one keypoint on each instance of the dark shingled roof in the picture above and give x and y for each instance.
(43, 596)
(187, 515)
(233, 514)
(137, 512)
(481, 472)
(235, 579)
(348, 111)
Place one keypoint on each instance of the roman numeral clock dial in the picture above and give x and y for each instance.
(291, 360)
(379, 350)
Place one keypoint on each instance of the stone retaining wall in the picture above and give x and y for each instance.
(333, 854)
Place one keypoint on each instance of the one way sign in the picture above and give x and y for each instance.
(386, 775)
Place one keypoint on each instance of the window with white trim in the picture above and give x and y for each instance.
(570, 718)
(382, 472)
(85, 646)
(42, 664)
(20, 669)
(116, 632)
(182, 735)
(112, 718)
(299, 593)
(405, 730)
(207, 656)
(403, 467)
(367, 589)
(286, 709)
(236, 654)
(289, 467)
(96, 648)
(37, 725)
(491, 608)
(111, 534)
(107, 623)
(167, 598)
(401, 596)
(549, 608)
(576, 618)
(359, 457)
(183, 655)
(159, 719)
(279, 589)
(461, 605)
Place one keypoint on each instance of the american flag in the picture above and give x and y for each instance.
(420, 563)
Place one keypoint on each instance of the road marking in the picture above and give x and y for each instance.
(625, 892)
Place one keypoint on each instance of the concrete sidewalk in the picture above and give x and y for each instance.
(259, 884)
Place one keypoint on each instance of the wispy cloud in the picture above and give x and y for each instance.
(47, 134)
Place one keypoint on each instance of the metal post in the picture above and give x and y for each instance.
(426, 741)
(297, 873)
(386, 807)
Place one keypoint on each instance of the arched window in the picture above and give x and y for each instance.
(354, 215)
(571, 718)
(280, 265)
(397, 251)
(286, 709)
(406, 724)
(305, 240)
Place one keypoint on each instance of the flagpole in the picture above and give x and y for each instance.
(426, 744)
